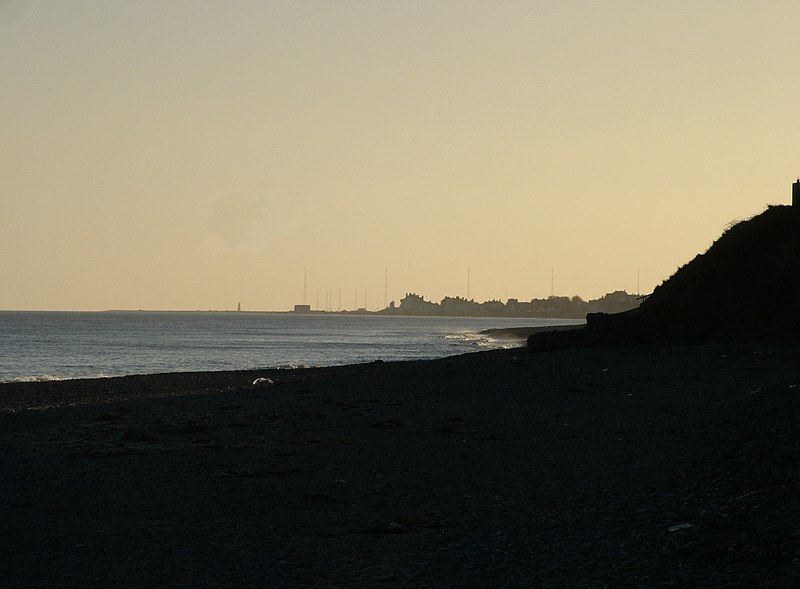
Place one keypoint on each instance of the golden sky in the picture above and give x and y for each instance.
(195, 154)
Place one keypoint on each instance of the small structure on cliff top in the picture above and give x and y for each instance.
(796, 193)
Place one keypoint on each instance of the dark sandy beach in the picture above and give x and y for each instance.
(606, 467)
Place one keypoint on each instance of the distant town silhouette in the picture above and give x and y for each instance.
(552, 307)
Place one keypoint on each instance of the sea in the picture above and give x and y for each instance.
(40, 346)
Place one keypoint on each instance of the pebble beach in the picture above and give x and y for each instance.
(595, 467)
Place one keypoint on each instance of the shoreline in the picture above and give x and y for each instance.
(177, 344)
(639, 467)
(501, 334)
(522, 333)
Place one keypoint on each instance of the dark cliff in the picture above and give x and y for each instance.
(745, 287)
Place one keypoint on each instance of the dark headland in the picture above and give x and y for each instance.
(659, 448)
(746, 287)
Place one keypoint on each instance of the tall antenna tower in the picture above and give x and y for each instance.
(305, 284)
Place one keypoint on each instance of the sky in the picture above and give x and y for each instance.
(196, 154)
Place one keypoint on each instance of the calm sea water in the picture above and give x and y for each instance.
(55, 345)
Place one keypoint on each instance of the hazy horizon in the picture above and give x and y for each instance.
(186, 155)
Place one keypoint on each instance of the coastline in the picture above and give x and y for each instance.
(581, 468)
(61, 346)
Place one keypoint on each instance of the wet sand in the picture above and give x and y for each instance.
(616, 467)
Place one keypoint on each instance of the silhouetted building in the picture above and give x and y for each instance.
(796, 193)
(415, 304)
(302, 308)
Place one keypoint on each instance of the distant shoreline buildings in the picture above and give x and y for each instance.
(551, 307)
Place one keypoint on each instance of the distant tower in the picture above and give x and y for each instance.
(796, 193)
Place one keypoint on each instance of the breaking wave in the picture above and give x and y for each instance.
(480, 340)
(295, 366)
(51, 378)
